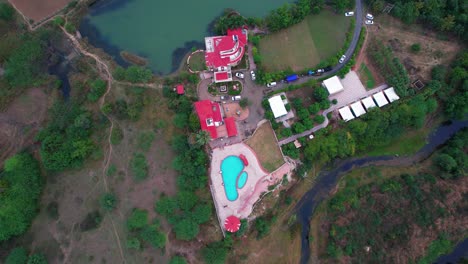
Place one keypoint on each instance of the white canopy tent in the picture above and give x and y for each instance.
(277, 106)
(346, 113)
(391, 94)
(358, 110)
(368, 103)
(333, 85)
(380, 99)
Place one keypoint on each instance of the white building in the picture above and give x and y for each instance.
(391, 94)
(346, 113)
(380, 99)
(277, 106)
(368, 103)
(333, 85)
(357, 108)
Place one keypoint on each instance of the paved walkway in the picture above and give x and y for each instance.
(330, 110)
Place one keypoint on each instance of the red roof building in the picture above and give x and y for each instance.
(210, 116)
(231, 126)
(180, 89)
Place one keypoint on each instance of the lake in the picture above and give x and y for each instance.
(161, 31)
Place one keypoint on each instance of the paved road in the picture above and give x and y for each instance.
(359, 16)
(329, 110)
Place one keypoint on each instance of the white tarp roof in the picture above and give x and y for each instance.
(346, 113)
(358, 109)
(368, 103)
(380, 99)
(391, 94)
(277, 106)
(333, 85)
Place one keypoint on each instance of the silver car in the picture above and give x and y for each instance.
(342, 59)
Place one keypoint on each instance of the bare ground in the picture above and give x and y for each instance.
(38, 10)
(21, 121)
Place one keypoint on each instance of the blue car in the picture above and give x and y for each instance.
(310, 73)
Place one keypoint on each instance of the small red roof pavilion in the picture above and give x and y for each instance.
(180, 89)
(232, 224)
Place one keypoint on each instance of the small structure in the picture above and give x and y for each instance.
(380, 99)
(231, 126)
(297, 144)
(232, 224)
(357, 108)
(244, 160)
(210, 116)
(346, 113)
(180, 89)
(333, 85)
(277, 106)
(368, 103)
(391, 94)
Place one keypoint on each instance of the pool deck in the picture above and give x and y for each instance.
(257, 182)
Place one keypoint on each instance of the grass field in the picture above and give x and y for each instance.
(197, 61)
(306, 44)
(409, 143)
(366, 76)
(263, 142)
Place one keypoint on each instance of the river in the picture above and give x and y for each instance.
(161, 31)
(327, 180)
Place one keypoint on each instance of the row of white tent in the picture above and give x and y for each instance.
(379, 99)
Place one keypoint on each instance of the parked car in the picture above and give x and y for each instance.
(320, 71)
(240, 75)
(343, 57)
(252, 73)
(328, 68)
(272, 84)
(224, 97)
(310, 72)
(236, 98)
(369, 22)
(291, 78)
(369, 16)
(351, 13)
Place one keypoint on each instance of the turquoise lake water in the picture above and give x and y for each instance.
(231, 167)
(162, 31)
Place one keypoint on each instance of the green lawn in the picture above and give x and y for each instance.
(367, 76)
(306, 44)
(407, 144)
(197, 61)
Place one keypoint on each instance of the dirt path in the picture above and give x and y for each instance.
(103, 68)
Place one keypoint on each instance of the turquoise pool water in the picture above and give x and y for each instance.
(233, 176)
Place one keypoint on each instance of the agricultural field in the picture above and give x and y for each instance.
(263, 142)
(306, 44)
(38, 10)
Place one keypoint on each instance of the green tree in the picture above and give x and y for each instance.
(215, 253)
(320, 94)
(416, 47)
(58, 21)
(98, 88)
(18, 255)
(445, 162)
(186, 200)
(186, 229)
(6, 12)
(166, 206)
(133, 243)
(319, 119)
(177, 260)
(202, 138)
(137, 220)
(180, 120)
(22, 178)
(244, 102)
(108, 201)
(151, 235)
(139, 166)
(201, 213)
(37, 258)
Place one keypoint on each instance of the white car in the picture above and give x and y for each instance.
(240, 75)
(236, 98)
(349, 13)
(320, 71)
(252, 73)
(369, 16)
(272, 84)
(369, 22)
(342, 58)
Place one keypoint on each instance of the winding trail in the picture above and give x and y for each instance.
(103, 68)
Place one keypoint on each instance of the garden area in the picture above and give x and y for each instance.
(366, 76)
(197, 61)
(305, 44)
(263, 142)
(229, 88)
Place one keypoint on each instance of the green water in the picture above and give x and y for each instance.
(156, 29)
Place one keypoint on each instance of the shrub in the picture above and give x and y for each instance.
(37, 258)
(139, 166)
(111, 170)
(137, 220)
(145, 139)
(215, 253)
(6, 12)
(108, 201)
(59, 21)
(186, 229)
(18, 255)
(70, 28)
(244, 102)
(415, 48)
(116, 135)
(177, 260)
(133, 243)
(319, 119)
(98, 88)
(151, 235)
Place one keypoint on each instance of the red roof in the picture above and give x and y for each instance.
(244, 159)
(231, 126)
(221, 76)
(232, 224)
(180, 89)
(208, 112)
(226, 50)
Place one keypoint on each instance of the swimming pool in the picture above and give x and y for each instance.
(233, 176)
